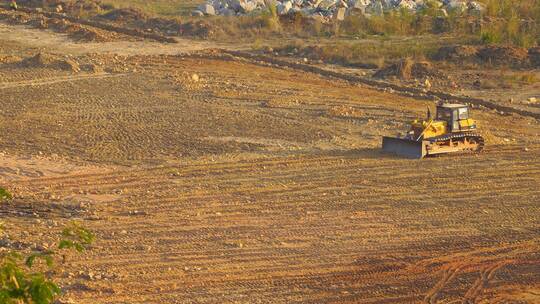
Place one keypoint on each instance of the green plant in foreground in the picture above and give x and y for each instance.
(5, 195)
(76, 237)
(19, 283)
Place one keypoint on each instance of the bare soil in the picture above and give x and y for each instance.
(256, 184)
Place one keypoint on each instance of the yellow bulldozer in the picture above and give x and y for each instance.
(452, 130)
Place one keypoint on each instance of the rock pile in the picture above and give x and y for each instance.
(336, 9)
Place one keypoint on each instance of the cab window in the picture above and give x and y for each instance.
(444, 114)
(463, 113)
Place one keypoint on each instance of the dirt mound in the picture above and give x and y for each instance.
(456, 52)
(69, 6)
(87, 35)
(534, 56)
(504, 55)
(125, 15)
(407, 69)
(44, 60)
(40, 60)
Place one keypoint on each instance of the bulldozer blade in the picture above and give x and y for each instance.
(404, 147)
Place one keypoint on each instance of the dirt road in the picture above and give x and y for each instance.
(261, 185)
(56, 42)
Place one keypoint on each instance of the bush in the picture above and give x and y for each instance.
(5, 195)
(19, 283)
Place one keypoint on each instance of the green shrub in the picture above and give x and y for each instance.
(19, 283)
(5, 195)
(490, 37)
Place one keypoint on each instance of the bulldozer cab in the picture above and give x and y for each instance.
(452, 114)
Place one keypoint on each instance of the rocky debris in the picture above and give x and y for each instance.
(408, 69)
(327, 10)
(9, 59)
(344, 111)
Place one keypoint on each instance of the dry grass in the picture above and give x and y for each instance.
(370, 53)
(159, 7)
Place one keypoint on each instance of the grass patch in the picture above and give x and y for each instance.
(375, 52)
(525, 78)
(166, 8)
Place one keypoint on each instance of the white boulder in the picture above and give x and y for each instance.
(207, 9)
(375, 8)
(457, 6)
(284, 8)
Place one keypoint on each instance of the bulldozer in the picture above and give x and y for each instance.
(452, 130)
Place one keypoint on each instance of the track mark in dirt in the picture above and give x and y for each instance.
(485, 276)
(447, 276)
(55, 80)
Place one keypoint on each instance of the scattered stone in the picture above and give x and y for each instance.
(207, 9)
(195, 77)
(284, 8)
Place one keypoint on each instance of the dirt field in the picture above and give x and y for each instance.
(257, 185)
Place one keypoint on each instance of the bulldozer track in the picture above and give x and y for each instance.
(445, 138)
(54, 80)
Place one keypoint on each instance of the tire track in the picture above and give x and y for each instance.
(55, 80)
